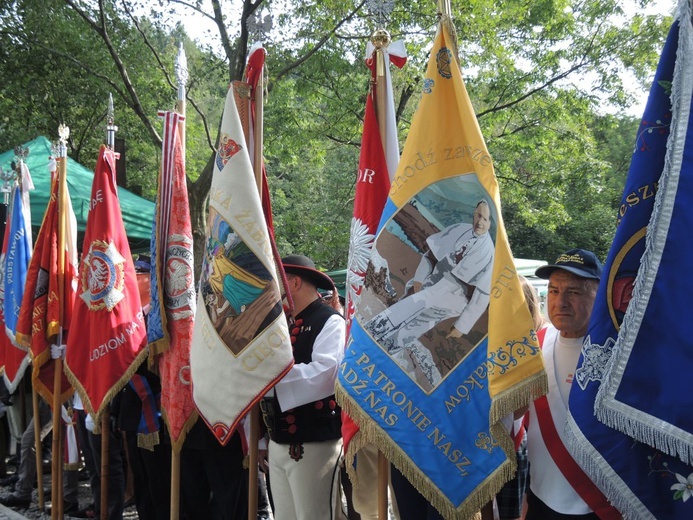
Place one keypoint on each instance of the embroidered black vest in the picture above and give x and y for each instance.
(313, 422)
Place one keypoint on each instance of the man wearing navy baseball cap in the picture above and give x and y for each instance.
(559, 489)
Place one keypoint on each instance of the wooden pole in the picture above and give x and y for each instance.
(182, 77)
(258, 129)
(444, 7)
(57, 493)
(105, 443)
(111, 129)
(175, 484)
(380, 40)
(39, 450)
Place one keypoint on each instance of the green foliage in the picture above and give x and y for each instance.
(539, 74)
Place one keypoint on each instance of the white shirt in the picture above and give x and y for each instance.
(565, 356)
(308, 382)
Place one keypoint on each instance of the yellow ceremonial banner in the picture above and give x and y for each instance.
(442, 346)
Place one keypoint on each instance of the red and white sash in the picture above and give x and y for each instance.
(570, 469)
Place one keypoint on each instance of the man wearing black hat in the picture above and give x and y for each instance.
(559, 489)
(303, 419)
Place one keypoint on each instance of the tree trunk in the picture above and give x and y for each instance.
(198, 193)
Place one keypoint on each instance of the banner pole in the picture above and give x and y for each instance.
(381, 39)
(258, 100)
(39, 448)
(57, 494)
(182, 77)
(105, 445)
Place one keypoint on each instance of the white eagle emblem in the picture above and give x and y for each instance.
(179, 280)
(359, 254)
(103, 276)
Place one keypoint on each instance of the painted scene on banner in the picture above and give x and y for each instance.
(236, 287)
(426, 293)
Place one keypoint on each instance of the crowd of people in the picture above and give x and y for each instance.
(301, 474)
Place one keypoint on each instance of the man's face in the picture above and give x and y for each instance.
(570, 302)
(482, 219)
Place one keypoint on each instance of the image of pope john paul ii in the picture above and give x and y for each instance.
(436, 315)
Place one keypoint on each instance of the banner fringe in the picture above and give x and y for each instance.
(147, 441)
(600, 472)
(369, 432)
(518, 396)
(177, 444)
(117, 387)
(157, 347)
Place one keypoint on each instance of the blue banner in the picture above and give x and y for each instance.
(16, 262)
(639, 289)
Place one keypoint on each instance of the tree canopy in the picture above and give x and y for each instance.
(540, 75)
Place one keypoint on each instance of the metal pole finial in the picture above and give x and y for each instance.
(63, 135)
(380, 38)
(181, 71)
(111, 128)
(7, 180)
(380, 10)
(20, 153)
(258, 26)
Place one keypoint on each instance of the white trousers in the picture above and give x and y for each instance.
(307, 488)
(365, 495)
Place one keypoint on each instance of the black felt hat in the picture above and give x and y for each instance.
(304, 267)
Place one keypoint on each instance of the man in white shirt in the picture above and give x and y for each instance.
(303, 419)
(559, 489)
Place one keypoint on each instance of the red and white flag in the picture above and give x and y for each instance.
(108, 313)
(241, 345)
(172, 315)
(377, 163)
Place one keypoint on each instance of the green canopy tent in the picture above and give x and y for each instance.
(138, 213)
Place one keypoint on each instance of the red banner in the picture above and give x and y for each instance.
(39, 317)
(108, 313)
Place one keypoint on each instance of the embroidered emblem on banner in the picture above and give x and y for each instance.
(104, 279)
(443, 59)
(184, 375)
(595, 360)
(227, 149)
(359, 253)
(179, 284)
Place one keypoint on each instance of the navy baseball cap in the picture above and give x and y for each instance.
(580, 262)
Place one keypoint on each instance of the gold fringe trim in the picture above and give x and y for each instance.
(518, 396)
(23, 340)
(117, 387)
(157, 347)
(147, 441)
(177, 444)
(72, 466)
(45, 392)
(370, 432)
